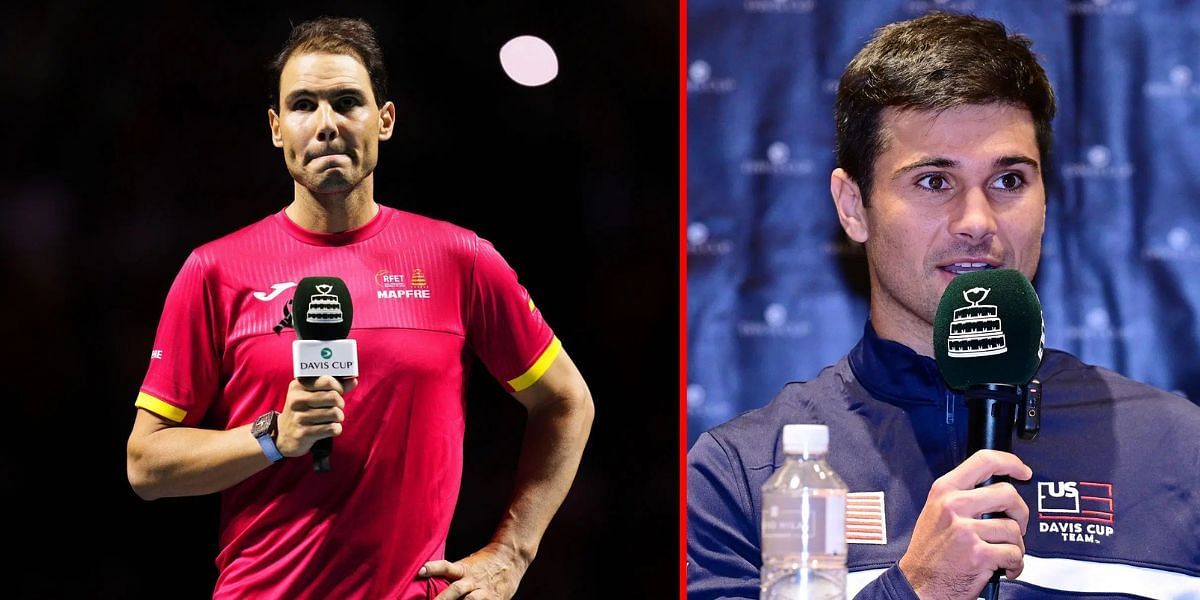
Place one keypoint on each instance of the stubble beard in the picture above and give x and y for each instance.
(324, 183)
(332, 181)
(902, 305)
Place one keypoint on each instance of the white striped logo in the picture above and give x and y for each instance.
(866, 520)
(1081, 577)
(276, 289)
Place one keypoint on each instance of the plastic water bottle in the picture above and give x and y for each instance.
(804, 522)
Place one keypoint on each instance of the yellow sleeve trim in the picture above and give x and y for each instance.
(531, 306)
(539, 367)
(160, 408)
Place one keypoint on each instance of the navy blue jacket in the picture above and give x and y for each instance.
(1114, 500)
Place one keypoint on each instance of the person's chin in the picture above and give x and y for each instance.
(331, 181)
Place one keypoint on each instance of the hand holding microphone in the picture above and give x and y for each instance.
(314, 410)
(325, 364)
(988, 339)
(953, 552)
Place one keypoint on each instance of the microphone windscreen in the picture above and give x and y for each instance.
(321, 309)
(989, 329)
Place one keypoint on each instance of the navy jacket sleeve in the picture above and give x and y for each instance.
(722, 544)
(891, 585)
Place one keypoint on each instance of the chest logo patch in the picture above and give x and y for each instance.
(1079, 511)
(398, 285)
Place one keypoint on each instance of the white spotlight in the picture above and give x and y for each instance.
(529, 60)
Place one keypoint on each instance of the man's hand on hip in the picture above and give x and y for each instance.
(491, 573)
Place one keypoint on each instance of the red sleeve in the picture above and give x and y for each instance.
(182, 379)
(504, 327)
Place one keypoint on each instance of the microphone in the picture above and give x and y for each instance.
(988, 339)
(321, 315)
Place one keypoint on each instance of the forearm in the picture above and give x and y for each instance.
(555, 436)
(185, 461)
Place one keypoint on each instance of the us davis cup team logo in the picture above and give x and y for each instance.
(976, 330)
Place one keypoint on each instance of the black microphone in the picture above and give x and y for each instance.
(321, 315)
(988, 338)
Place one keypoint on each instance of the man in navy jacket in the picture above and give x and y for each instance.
(943, 126)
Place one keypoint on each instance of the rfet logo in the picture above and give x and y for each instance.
(1080, 511)
(389, 280)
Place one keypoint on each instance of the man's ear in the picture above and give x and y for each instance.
(847, 199)
(273, 122)
(387, 120)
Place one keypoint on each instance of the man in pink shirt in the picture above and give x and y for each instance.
(219, 410)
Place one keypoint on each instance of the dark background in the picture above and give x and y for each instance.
(132, 137)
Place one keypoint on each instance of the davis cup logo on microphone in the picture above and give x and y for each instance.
(314, 358)
(976, 330)
(324, 307)
(322, 316)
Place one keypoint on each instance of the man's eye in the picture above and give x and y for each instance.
(347, 102)
(933, 181)
(302, 105)
(1009, 181)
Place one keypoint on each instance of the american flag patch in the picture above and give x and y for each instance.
(866, 521)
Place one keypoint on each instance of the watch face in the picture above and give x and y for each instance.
(262, 425)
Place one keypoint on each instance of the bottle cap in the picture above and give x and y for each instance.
(805, 439)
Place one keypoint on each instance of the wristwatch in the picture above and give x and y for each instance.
(264, 430)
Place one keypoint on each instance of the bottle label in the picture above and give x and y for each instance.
(804, 525)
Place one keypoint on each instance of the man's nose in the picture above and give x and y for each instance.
(975, 220)
(326, 123)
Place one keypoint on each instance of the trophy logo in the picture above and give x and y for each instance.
(324, 307)
(976, 295)
(976, 330)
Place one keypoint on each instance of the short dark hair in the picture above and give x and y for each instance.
(334, 35)
(935, 62)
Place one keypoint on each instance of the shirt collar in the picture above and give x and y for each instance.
(892, 372)
(342, 238)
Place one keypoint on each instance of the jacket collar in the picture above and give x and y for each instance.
(892, 372)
